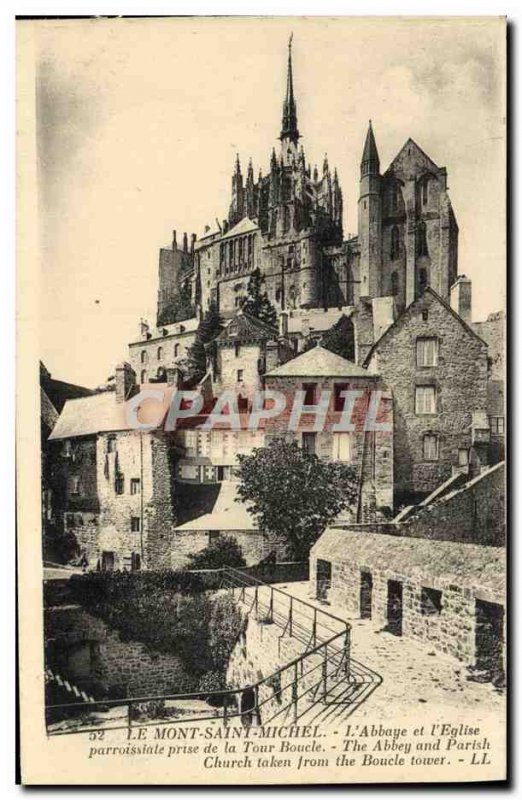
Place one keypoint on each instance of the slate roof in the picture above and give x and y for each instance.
(319, 362)
(317, 319)
(246, 225)
(244, 327)
(101, 413)
(477, 567)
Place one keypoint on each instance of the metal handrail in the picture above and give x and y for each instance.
(254, 687)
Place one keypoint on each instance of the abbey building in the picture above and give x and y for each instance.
(288, 223)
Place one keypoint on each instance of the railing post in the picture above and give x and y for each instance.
(256, 599)
(347, 652)
(325, 672)
(290, 616)
(243, 594)
(225, 709)
(129, 717)
(314, 631)
(256, 701)
(271, 611)
(294, 693)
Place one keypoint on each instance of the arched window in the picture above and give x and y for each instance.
(422, 242)
(144, 376)
(423, 190)
(278, 295)
(394, 243)
(395, 194)
(160, 353)
(144, 357)
(423, 280)
(176, 350)
(394, 282)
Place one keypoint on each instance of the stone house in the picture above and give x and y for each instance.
(158, 351)
(436, 366)
(119, 498)
(368, 450)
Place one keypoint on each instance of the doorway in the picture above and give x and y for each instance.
(107, 563)
(394, 609)
(489, 637)
(365, 597)
(324, 579)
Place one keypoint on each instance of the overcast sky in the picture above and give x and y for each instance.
(138, 123)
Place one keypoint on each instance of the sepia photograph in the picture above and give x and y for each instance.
(262, 337)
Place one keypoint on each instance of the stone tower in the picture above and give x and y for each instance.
(370, 218)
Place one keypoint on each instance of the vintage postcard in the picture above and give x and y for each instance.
(261, 407)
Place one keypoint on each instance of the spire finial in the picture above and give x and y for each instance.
(289, 126)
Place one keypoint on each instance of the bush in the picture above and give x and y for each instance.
(224, 552)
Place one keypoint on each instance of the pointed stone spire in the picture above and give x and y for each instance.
(370, 159)
(289, 125)
(326, 168)
(238, 165)
(316, 174)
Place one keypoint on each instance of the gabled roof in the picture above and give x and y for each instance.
(321, 363)
(409, 310)
(246, 225)
(244, 327)
(408, 143)
(102, 413)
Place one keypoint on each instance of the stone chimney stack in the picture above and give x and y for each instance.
(174, 241)
(192, 242)
(125, 380)
(144, 329)
(460, 297)
(185, 243)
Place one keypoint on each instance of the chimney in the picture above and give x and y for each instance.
(185, 243)
(174, 241)
(460, 297)
(125, 379)
(207, 228)
(144, 329)
(192, 243)
(283, 323)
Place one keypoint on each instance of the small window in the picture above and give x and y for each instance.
(144, 376)
(422, 241)
(427, 352)
(144, 357)
(240, 376)
(424, 190)
(310, 390)
(176, 350)
(430, 447)
(160, 353)
(75, 484)
(135, 561)
(430, 601)
(497, 425)
(339, 388)
(135, 524)
(463, 456)
(135, 486)
(425, 315)
(341, 447)
(425, 400)
(309, 443)
(67, 448)
(119, 484)
(237, 349)
(394, 243)
(111, 444)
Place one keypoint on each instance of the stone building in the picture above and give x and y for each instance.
(160, 350)
(437, 369)
(118, 482)
(288, 223)
(368, 450)
(438, 577)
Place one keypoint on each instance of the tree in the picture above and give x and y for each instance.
(257, 303)
(223, 552)
(293, 493)
(195, 364)
(340, 339)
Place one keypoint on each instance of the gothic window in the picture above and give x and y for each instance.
(221, 254)
(240, 249)
(422, 243)
(286, 219)
(423, 190)
(230, 254)
(423, 280)
(394, 280)
(394, 243)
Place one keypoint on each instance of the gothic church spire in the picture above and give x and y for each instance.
(289, 126)
(370, 160)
